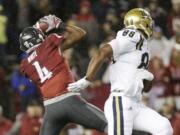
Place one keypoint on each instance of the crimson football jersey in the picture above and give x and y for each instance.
(47, 68)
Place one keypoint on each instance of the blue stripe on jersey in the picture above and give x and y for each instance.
(118, 116)
(122, 117)
(115, 116)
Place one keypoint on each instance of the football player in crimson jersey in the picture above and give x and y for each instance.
(46, 67)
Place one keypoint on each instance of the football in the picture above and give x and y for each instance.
(42, 25)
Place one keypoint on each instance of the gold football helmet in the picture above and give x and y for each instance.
(140, 19)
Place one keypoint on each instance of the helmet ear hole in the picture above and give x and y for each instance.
(131, 22)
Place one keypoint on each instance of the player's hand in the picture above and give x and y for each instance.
(79, 85)
(52, 21)
(145, 75)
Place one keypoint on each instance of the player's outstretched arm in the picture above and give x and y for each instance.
(96, 61)
(94, 65)
(73, 35)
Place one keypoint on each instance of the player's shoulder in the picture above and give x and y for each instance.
(129, 34)
(55, 36)
(54, 40)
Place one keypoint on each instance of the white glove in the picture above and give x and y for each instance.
(52, 21)
(79, 85)
(145, 74)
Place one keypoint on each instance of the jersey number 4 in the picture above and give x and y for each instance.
(43, 72)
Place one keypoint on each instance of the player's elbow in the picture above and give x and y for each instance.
(78, 32)
(78, 35)
(81, 34)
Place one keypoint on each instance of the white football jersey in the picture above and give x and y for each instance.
(130, 53)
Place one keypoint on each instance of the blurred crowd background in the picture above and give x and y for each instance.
(21, 108)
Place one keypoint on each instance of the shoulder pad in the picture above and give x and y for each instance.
(129, 34)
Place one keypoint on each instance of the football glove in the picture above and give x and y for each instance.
(79, 85)
(52, 21)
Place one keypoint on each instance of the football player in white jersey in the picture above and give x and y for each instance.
(124, 109)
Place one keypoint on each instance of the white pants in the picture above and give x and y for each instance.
(125, 114)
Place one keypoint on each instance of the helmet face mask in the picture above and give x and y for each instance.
(139, 19)
(30, 38)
